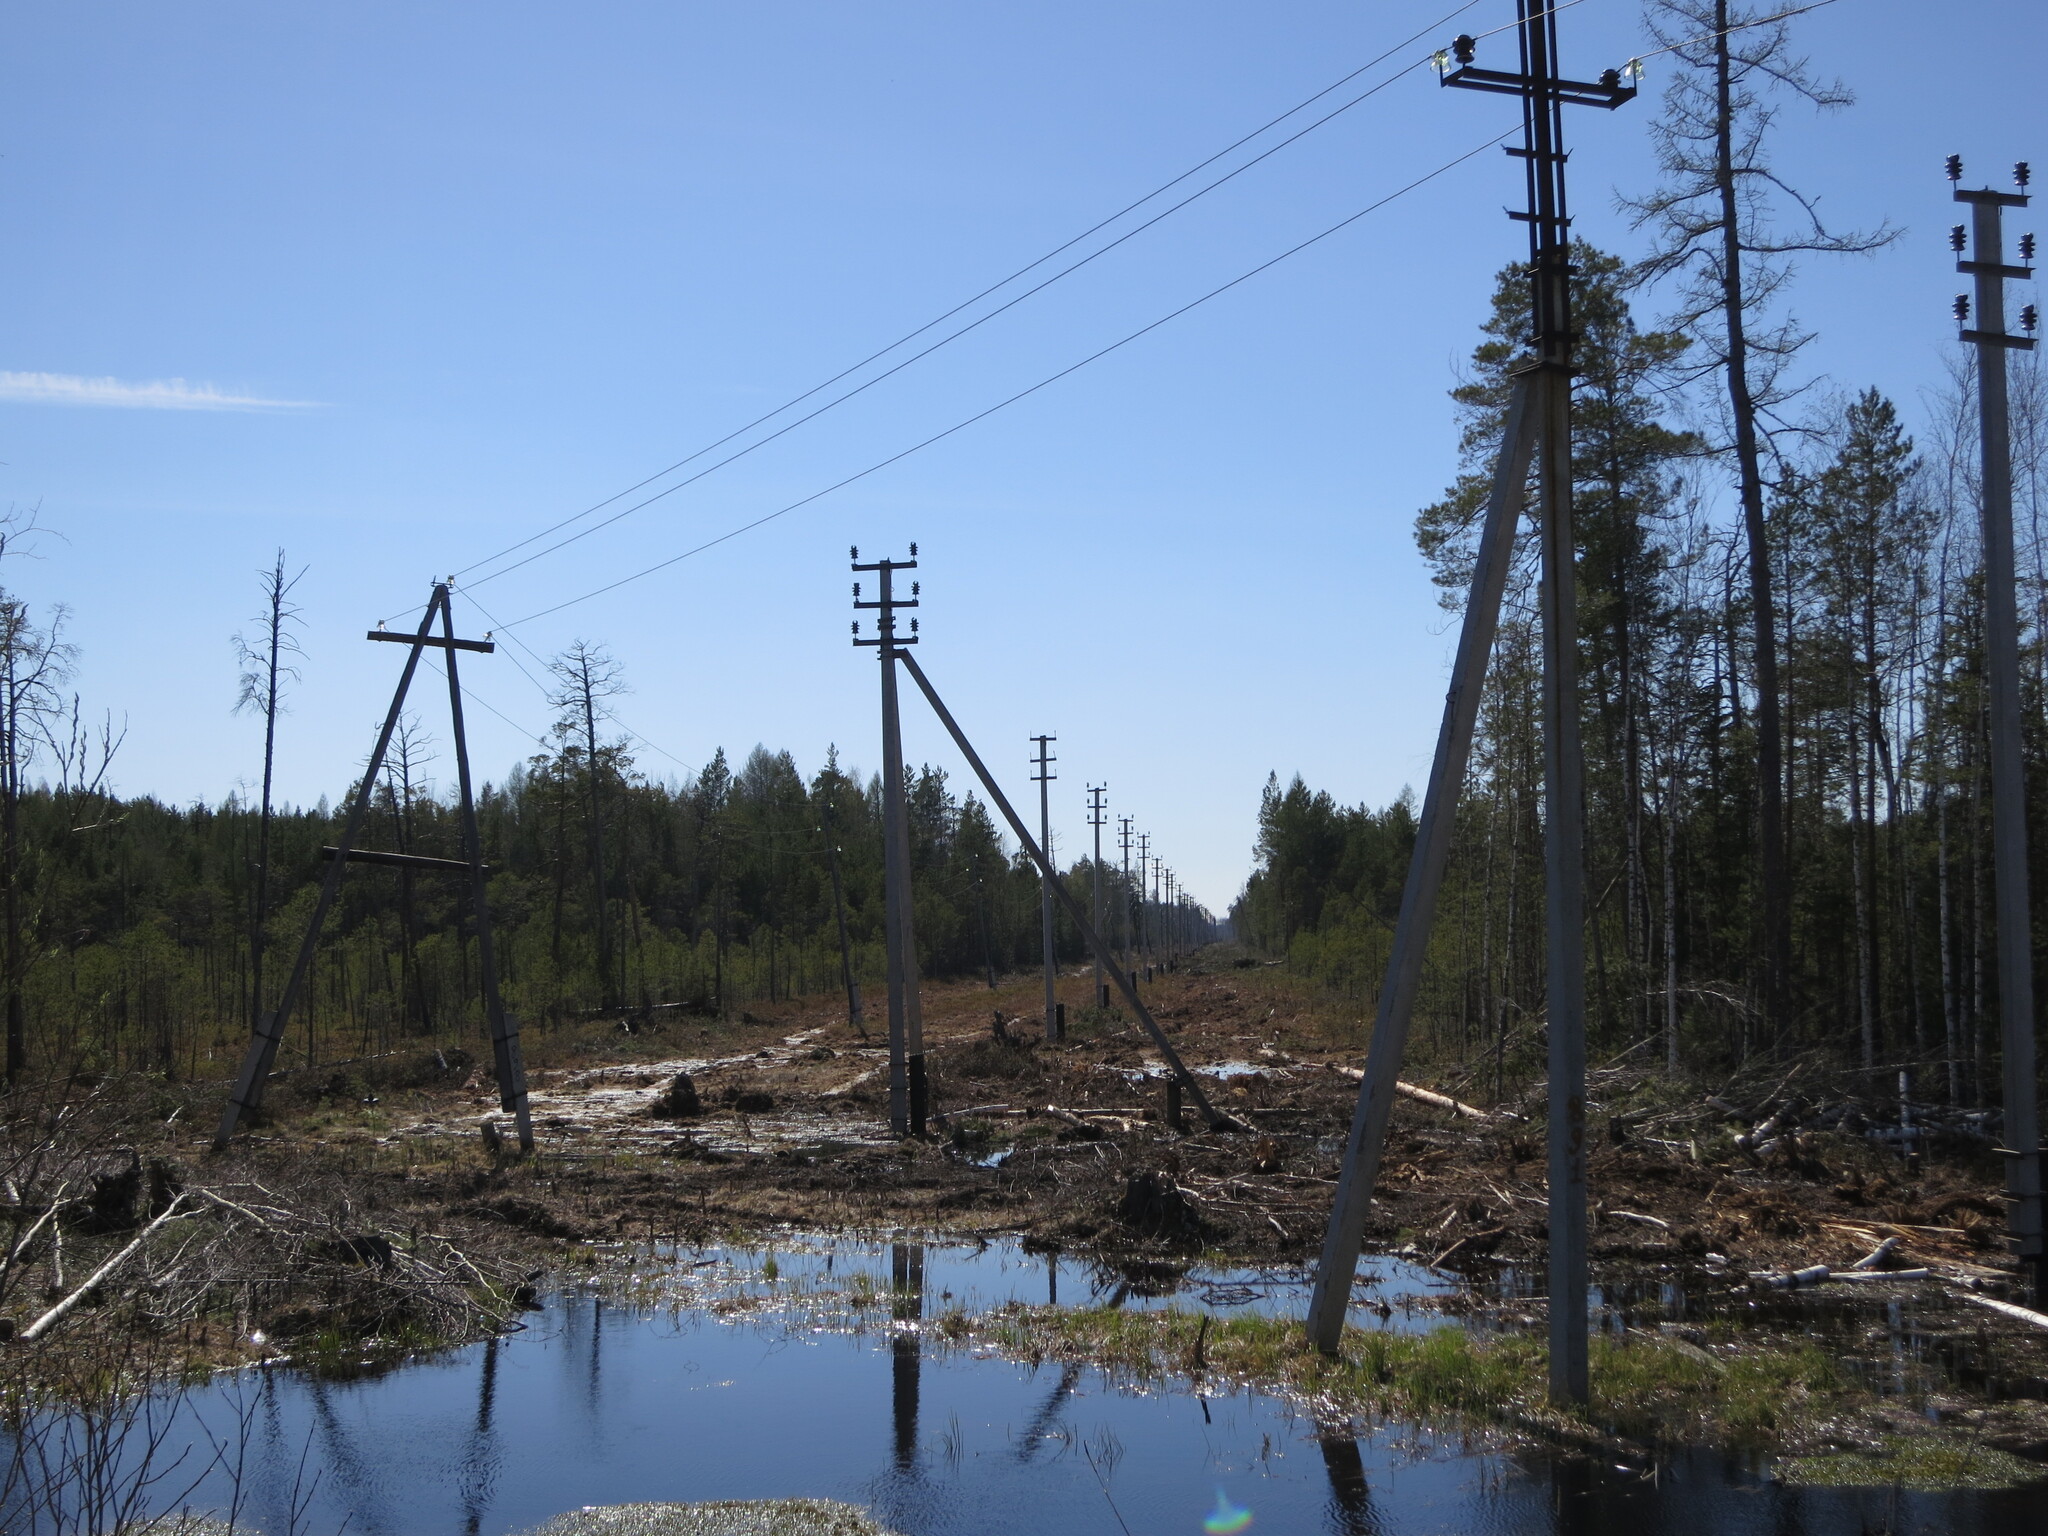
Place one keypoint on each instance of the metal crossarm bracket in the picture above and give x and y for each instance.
(436, 641)
(1578, 93)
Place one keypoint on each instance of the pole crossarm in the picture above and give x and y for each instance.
(439, 642)
(1190, 1085)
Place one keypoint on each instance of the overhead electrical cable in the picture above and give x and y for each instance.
(1021, 394)
(542, 689)
(974, 324)
(995, 287)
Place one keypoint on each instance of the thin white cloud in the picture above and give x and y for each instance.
(154, 395)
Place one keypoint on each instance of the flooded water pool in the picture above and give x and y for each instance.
(748, 1373)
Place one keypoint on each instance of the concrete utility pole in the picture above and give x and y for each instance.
(1539, 421)
(1144, 913)
(1130, 918)
(1190, 1085)
(1096, 820)
(909, 1096)
(1043, 779)
(2022, 1148)
(1162, 944)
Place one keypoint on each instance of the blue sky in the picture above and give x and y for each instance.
(395, 286)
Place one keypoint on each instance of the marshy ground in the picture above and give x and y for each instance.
(391, 1222)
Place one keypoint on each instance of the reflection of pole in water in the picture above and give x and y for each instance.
(481, 1462)
(1351, 1511)
(592, 1389)
(906, 1274)
(1571, 1480)
(1052, 1279)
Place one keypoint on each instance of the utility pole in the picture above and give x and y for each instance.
(1144, 914)
(1043, 779)
(1096, 820)
(246, 1098)
(1130, 946)
(908, 1092)
(839, 910)
(1539, 422)
(1163, 944)
(2022, 1150)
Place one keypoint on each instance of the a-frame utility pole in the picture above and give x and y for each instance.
(909, 1096)
(247, 1095)
(2022, 1148)
(1043, 778)
(1538, 423)
(1096, 820)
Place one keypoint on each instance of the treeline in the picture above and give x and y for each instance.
(717, 893)
(1877, 599)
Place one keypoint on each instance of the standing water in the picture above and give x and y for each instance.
(735, 1374)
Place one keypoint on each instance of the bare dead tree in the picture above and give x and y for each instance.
(266, 667)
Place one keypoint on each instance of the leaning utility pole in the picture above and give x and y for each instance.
(2022, 1148)
(908, 1092)
(1096, 820)
(1043, 779)
(1539, 421)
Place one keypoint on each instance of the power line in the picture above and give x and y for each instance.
(1054, 378)
(947, 340)
(995, 287)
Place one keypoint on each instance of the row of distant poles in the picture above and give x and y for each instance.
(1538, 428)
(909, 1082)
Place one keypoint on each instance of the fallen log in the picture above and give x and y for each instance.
(1639, 1217)
(57, 1314)
(2024, 1314)
(1877, 1255)
(1420, 1095)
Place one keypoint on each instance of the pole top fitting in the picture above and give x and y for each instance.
(2020, 177)
(1955, 167)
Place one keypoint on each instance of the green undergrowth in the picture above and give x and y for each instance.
(1917, 1462)
(1771, 1398)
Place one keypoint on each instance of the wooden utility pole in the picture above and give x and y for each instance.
(908, 1092)
(2022, 1150)
(1538, 425)
(1096, 820)
(1043, 778)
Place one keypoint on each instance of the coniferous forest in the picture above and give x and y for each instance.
(1878, 950)
(138, 920)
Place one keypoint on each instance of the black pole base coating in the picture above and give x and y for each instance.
(920, 1094)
